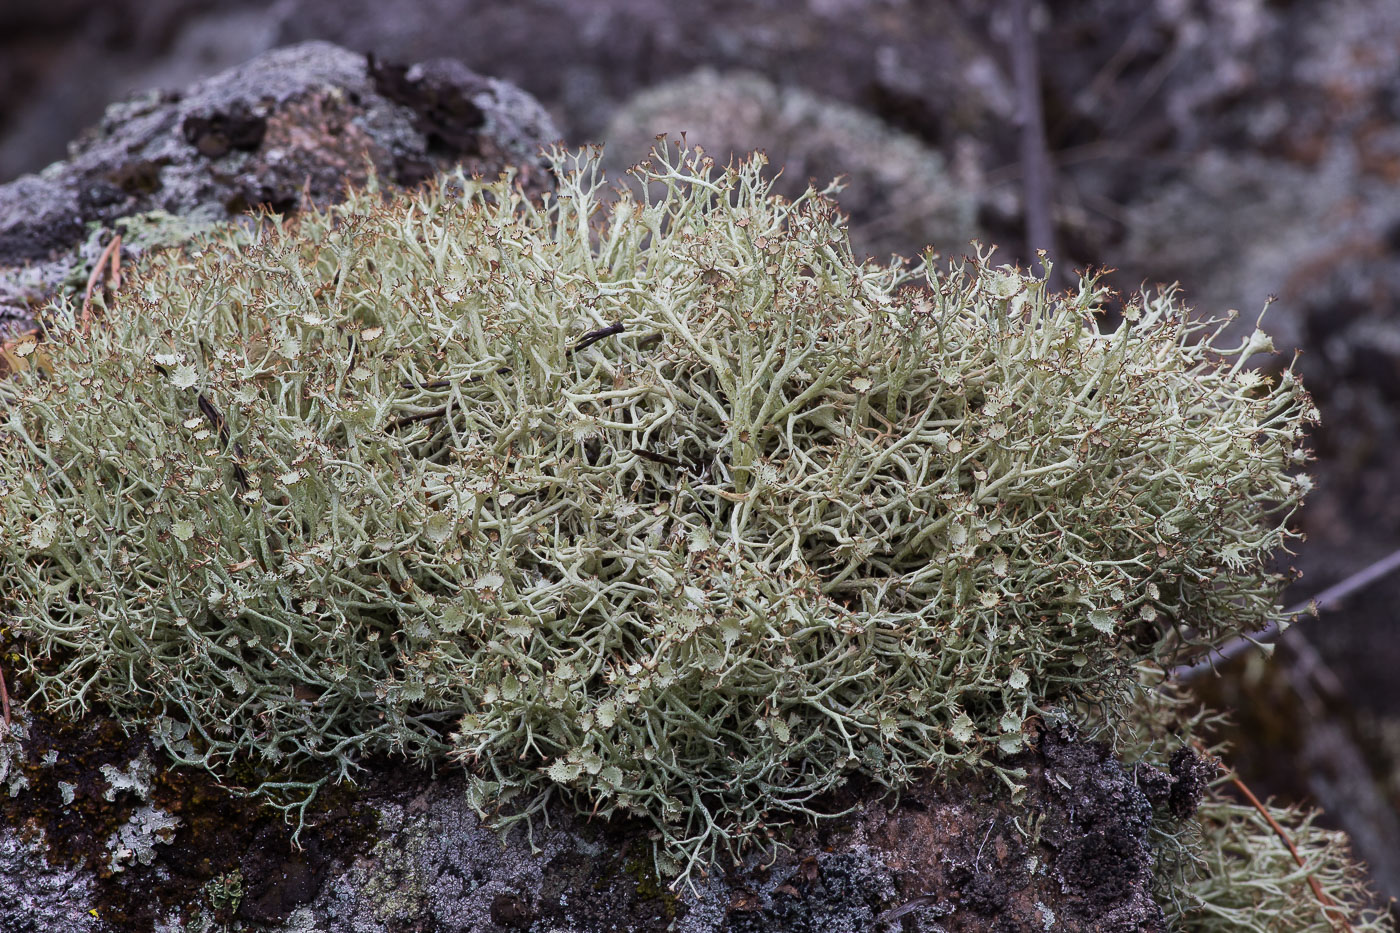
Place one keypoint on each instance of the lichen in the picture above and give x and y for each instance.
(135, 842)
(1222, 866)
(675, 509)
(134, 778)
(225, 892)
(12, 776)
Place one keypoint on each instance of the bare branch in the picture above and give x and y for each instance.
(1037, 178)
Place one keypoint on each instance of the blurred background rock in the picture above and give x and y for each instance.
(1241, 147)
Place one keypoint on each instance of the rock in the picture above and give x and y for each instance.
(62, 61)
(901, 195)
(912, 63)
(36, 897)
(296, 123)
(406, 851)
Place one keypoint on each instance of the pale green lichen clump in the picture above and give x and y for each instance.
(672, 504)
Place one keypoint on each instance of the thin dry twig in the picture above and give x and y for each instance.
(111, 255)
(1327, 599)
(114, 281)
(4, 703)
(1328, 905)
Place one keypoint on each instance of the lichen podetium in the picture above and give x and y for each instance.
(670, 505)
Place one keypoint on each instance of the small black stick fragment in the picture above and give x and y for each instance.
(216, 419)
(441, 409)
(592, 337)
(445, 383)
(239, 473)
(658, 458)
(588, 340)
(406, 420)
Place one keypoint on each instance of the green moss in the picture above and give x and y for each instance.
(672, 507)
(650, 887)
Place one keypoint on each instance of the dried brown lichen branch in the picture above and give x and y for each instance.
(111, 256)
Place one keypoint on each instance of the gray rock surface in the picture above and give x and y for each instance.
(405, 851)
(911, 63)
(295, 123)
(35, 896)
(38, 898)
(901, 195)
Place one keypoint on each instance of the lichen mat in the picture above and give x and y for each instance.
(672, 506)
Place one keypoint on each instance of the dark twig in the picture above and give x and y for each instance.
(446, 383)
(658, 458)
(439, 411)
(220, 425)
(1036, 173)
(428, 415)
(1307, 655)
(592, 337)
(216, 419)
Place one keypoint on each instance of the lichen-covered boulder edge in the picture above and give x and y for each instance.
(674, 507)
(295, 124)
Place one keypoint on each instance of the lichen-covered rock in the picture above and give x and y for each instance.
(1087, 845)
(37, 897)
(959, 857)
(919, 62)
(199, 873)
(296, 123)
